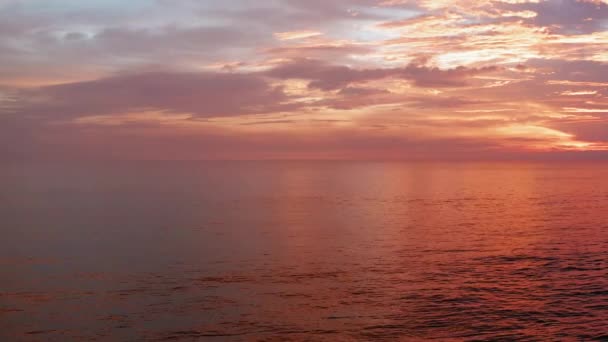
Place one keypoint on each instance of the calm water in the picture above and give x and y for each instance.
(303, 251)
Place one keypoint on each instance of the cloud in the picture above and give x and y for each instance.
(326, 76)
(588, 130)
(226, 94)
(202, 94)
(301, 77)
(151, 142)
(566, 16)
(291, 35)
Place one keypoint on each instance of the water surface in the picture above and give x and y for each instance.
(303, 251)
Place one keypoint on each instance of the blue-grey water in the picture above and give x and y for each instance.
(338, 251)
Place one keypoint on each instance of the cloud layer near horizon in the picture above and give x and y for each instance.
(344, 79)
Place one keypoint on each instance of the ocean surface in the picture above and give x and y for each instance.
(316, 251)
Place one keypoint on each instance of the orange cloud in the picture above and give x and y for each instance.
(298, 79)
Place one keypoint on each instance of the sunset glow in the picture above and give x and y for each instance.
(303, 170)
(300, 79)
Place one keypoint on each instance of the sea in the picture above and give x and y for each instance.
(303, 251)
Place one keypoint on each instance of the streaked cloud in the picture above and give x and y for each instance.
(303, 78)
(296, 34)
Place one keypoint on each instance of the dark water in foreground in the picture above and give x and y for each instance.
(303, 251)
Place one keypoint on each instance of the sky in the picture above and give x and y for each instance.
(303, 79)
